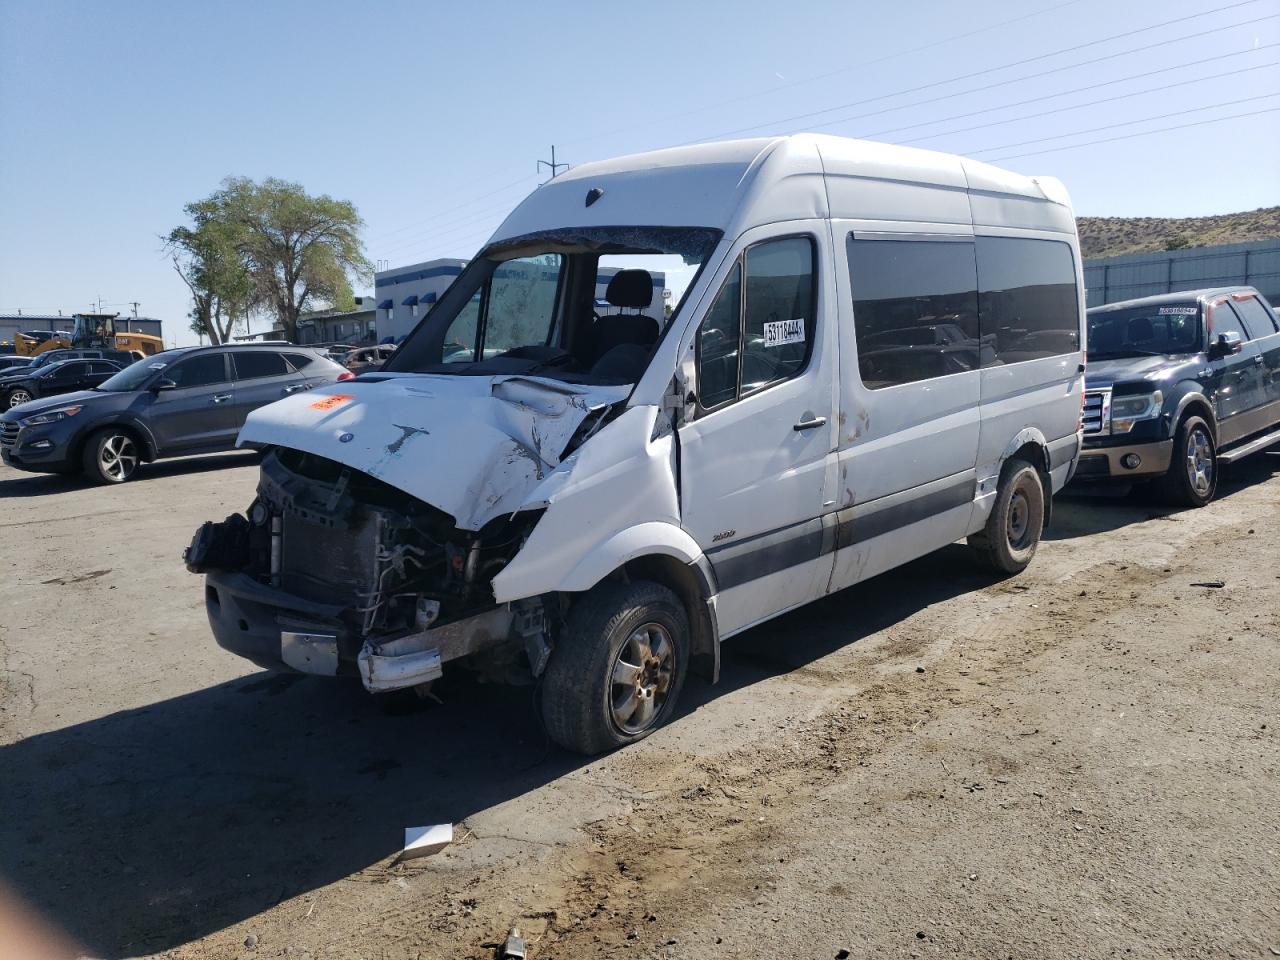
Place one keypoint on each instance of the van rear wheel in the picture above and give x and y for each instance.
(1009, 540)
(618, 668)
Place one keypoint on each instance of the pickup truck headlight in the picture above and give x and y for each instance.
(50, 416)
(1126, 411)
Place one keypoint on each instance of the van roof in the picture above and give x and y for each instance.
(737, 184)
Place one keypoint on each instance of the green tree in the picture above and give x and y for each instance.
(207, 257)
(301, 251)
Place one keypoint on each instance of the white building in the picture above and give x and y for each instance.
(403, 295)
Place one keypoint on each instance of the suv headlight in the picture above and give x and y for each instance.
(49, 416)
(1126, 411)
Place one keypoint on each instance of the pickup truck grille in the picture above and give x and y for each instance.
(8, 433)
(1097, 411)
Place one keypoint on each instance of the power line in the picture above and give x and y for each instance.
(1126, 123)
(1048, 96)
(1006, 66)
(466, 203)
(1087, 103)
(1144, 133)
(860, 65)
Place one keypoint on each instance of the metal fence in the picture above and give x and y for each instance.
(1255, 264)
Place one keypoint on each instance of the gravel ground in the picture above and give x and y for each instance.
(1077, 762)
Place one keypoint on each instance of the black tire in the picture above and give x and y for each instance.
(111, 455)
(584, 707)
(1192, 479)
(1009, 540)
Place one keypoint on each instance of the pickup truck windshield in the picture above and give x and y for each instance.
(1145, 331)
(583, 305)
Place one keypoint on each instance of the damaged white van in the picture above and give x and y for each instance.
(876, 351)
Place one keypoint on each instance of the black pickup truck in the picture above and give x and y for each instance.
(1178, 384)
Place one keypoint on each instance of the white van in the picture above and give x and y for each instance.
(862, 353)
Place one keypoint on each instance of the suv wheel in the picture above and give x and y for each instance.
(1193, 472)
(111, 456)
(18, 395)
(1008, 541)
(618, 667)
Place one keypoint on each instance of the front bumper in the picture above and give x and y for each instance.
(1108, 463)
(37, 449)
(270, 627)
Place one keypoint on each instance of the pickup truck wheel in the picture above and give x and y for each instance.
(110, 456)
(1193, 472)
(618, 667)
(1008, 541)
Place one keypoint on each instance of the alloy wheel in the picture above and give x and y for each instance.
(19, 396)
(118, 457)
(641, 679)
(1199, 454)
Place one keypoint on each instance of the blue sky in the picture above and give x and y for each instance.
(431, 117)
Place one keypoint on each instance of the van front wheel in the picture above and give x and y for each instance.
(1008, 541)
(618, 667)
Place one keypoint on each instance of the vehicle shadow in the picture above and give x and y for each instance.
(148, 828)
(1084, 511)
(19, 484)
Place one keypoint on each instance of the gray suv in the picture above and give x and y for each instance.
(180, 402)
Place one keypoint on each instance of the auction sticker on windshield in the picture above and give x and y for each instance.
(1178, 311)
(779, 333)
(328, 403)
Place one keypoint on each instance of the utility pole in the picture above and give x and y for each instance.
(551, 164)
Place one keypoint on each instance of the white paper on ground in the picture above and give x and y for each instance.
(424, 841)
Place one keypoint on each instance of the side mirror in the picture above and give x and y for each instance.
(163, 383)
(1227, 344)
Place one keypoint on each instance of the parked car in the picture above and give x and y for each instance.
(185, 401)
(10, 363)
(1178, 385)
(364, 359)
(596, 501)
(62, 376)
(40, 360)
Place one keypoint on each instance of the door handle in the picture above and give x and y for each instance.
(810, 424)
(221, 397)
(294, 388)
(1258, 359)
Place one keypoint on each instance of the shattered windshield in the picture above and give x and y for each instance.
(583, 305)
(1144, 331)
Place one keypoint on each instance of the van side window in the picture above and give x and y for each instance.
(779, 316)
(1027, 299)
(760, 329)
(915, 309)
(718, 344)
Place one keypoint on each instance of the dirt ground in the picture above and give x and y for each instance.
(1078, 762)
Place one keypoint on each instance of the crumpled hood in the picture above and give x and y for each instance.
(470, 446)
(1105, 373)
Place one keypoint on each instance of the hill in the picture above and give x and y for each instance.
(1113, 236)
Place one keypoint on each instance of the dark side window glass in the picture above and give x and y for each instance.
(1027, 298)
(258, 363)
(915, 309)
(760, 330)
(718, 344)
(299, 360)
(1260, 321)
(198, 371)
(1222, 319)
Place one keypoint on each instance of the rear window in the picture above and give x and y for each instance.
(252, 364)
(300, 360)
(1027, 298)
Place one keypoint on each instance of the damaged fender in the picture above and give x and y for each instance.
(612, 500)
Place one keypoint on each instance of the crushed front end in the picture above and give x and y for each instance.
(332, 571)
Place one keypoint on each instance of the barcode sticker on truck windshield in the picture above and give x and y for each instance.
(779, 333)
(1187, 311)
